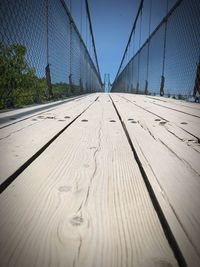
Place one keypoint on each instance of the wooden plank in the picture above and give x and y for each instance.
(184, 121)
(171, 172)
(21, 141)
(14, 116)
(178, 102)
(189, 107)
(183, 145)
(83, 202)
(191, 110)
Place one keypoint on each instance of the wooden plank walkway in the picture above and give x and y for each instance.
(23, 140)
(101, 181)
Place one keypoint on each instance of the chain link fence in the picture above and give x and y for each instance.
(163, 52)
(42, 53)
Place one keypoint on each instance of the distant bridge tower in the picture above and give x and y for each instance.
(107, 84)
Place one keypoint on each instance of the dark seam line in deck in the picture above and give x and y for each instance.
(196, 116)
(165, 226)
(13, 176)
(198, 139)
(12, 123)
(46, 109)
(144, 108)
(162, 100)
(174, 103)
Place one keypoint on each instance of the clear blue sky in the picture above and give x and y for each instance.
(112, 22)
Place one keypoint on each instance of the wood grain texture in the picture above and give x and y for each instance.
(83, 203)
(172, 166)
(20, 141)
(176, 105)
(8, 118)
(181, 103)
(183, 145)
(184, 121)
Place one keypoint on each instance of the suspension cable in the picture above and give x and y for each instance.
(93, 43)
(133, 28)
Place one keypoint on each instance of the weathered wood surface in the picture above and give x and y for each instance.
(183, 120)
(180, 105)
(20, 141)
(83, 202)
(17, 115)
(171, 159)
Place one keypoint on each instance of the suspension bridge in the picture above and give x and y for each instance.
(92, 173)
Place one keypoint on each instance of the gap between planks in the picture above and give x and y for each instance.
(188, 123)
(9, 118)
(168, 174)
(83, 203)
(21, 144)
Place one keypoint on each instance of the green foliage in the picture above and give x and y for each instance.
(19, 84)
(61, 90)
(181, 97)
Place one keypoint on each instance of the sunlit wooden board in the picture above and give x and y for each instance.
(172, 167)
(13, 116)
(179, 104)
(184, 121)
(83, 203)
(20, 141)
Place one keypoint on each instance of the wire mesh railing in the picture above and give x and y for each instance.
(42, 53)
(162, 55)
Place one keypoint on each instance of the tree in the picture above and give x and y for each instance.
(19, 84)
